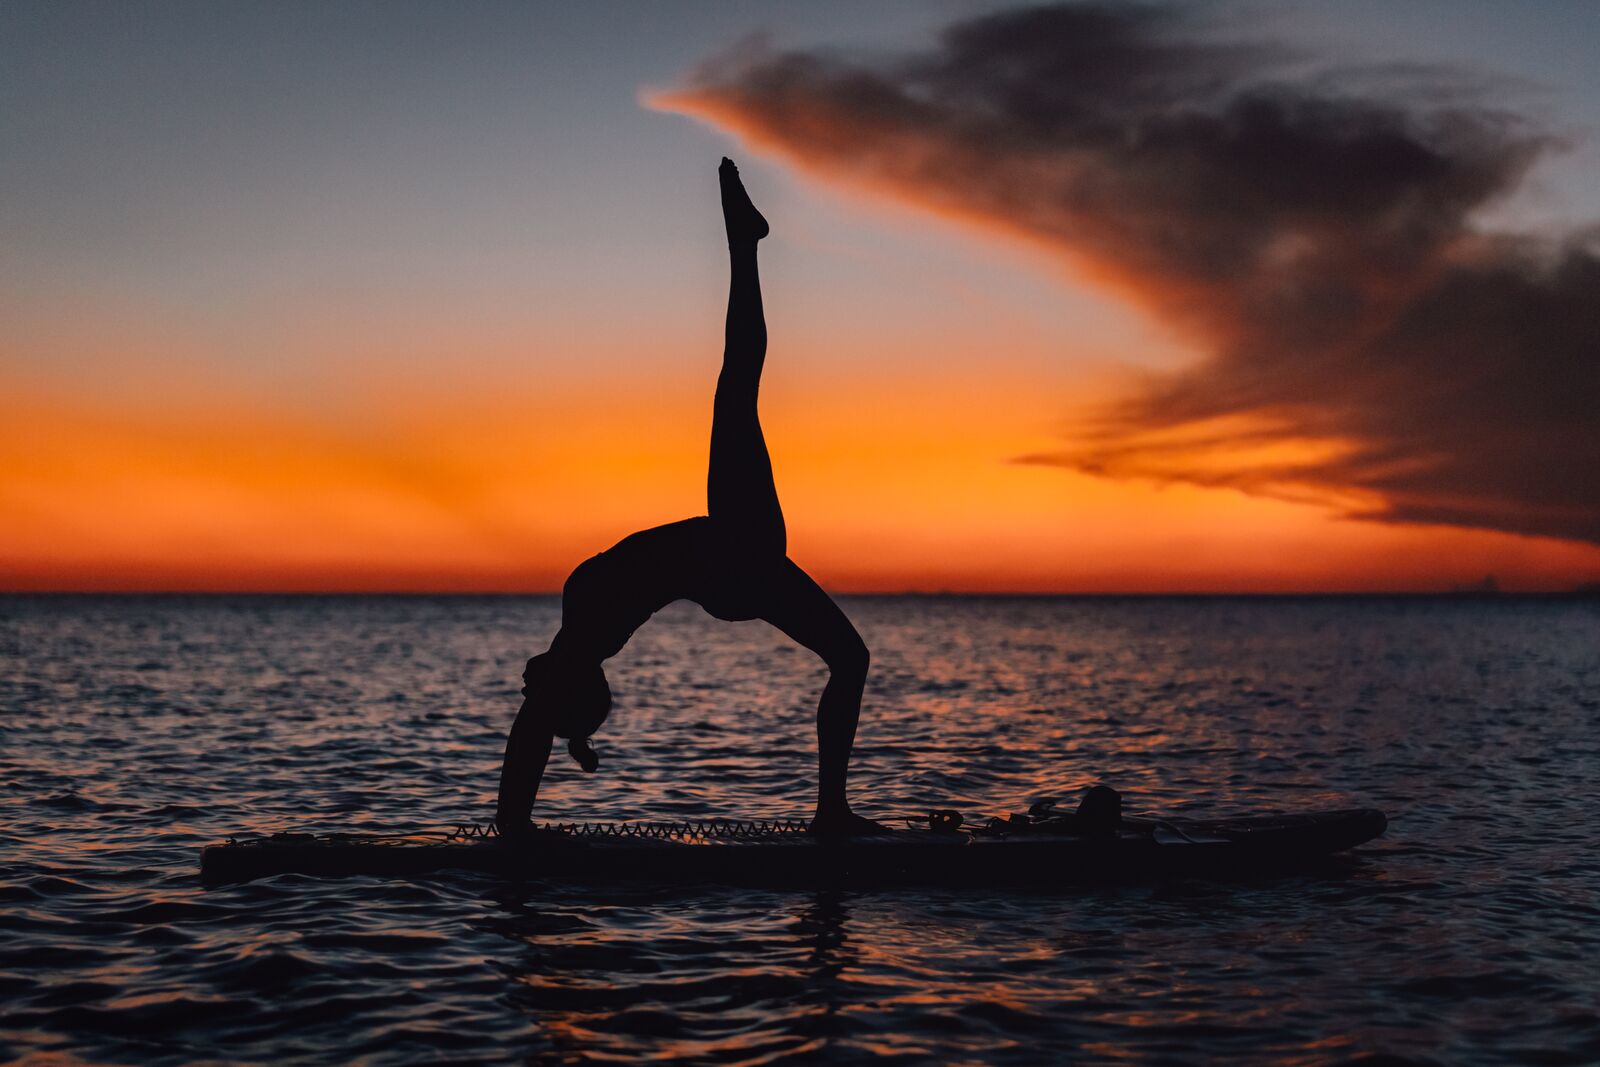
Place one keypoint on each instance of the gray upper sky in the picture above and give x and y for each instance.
(234, 164)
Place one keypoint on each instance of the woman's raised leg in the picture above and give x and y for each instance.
(740, 493)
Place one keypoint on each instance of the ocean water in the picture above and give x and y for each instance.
(135, 730)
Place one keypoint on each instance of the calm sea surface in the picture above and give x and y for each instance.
(133, 731)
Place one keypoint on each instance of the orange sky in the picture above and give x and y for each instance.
(889, 485)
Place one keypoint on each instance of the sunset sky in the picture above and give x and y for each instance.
(1287, 297)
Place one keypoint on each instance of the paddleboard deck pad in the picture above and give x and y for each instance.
(1051, 852)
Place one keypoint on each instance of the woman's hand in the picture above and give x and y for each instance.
(522, 833)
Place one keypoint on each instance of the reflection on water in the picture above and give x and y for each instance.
(136, 730)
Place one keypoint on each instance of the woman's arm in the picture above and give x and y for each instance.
(527, 752)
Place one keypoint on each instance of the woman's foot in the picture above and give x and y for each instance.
(745, 224)
(845, 823)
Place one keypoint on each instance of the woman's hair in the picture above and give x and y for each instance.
(574, 697)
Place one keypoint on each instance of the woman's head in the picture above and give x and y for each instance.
(574, 696)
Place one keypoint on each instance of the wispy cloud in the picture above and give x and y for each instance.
(1367, 346)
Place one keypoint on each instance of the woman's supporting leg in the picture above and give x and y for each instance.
(801, 609)
(740, 493)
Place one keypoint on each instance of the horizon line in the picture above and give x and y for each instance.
(1583, 589)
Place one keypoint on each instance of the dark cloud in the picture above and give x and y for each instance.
(1312, 232)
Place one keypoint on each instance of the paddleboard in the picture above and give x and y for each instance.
(765, 853)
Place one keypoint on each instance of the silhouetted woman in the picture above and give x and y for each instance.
(731, 561)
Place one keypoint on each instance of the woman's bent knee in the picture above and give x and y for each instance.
(850, 660)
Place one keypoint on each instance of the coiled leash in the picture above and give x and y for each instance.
(940, 821)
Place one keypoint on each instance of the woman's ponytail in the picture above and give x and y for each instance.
(578, 748)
